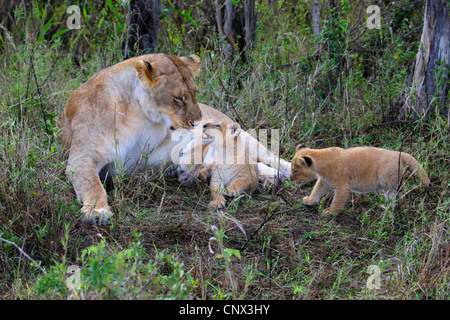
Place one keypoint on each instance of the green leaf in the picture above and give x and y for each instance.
(59, 33)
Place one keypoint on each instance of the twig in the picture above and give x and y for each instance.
(388, 123)
(38, 89)
(143, 288)
(267, 220)
(384, 245)
(23, 252)
(399, 179)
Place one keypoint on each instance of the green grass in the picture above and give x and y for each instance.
(165, 242)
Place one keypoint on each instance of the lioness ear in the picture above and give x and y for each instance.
(235, 129)
(300, 146)
(192, 62)
(308, 161)
(145, 74)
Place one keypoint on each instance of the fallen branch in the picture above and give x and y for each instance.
(22, 252)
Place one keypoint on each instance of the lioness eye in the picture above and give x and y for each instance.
(178, 99)
(217, 125)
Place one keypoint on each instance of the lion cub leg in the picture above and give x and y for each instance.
(341, 194)
(82, 172)
(217, 199)
(320, 189)
(205, 173)
(237, 186)
(216, 187)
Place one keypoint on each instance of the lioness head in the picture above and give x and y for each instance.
(302, 166)
(169, 80)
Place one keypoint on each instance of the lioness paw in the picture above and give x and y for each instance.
(272, 182)
(96, 216)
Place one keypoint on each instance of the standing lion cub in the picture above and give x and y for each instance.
(359, 169)
(231, 171)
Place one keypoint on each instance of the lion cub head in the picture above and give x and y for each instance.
(218, 133)
(302, 166)
(169, 81)
(223, 137)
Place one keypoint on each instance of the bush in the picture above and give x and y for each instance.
(106, 272)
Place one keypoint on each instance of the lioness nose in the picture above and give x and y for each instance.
(197, 114)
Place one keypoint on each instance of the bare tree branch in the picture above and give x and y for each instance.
(23, 252)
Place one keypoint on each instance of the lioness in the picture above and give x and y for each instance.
(122, 112)
(231, 171)
(360, 169)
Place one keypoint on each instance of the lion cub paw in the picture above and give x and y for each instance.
(230, 193)
(217, 203)
(203, 175)
(309, 201)
(96, 216)
(331, 211)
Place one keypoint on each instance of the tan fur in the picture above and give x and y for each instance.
(190, 166)
(359, 169)
(122, 112)
(231, 172)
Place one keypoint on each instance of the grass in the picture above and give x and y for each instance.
(166, 243)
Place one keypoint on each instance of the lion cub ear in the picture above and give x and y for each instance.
(192, 62)
(308, 161)
(235, 129)
(145, 73)
(300, 146)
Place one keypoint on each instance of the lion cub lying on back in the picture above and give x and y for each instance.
(231, 171)
(360, 169)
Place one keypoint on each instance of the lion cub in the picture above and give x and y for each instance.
(231, 171)
(359, 169)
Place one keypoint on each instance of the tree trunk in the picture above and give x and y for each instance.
(250, 23)
(316, 22)
(143, 23)
(225, 29)
(428, 83)
(237, 27)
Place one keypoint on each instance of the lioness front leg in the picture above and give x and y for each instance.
(259, 153)
(82, 172)
(268, 176)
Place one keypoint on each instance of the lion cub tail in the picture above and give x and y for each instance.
(411, 162)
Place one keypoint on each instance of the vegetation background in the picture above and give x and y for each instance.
(165, 243)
